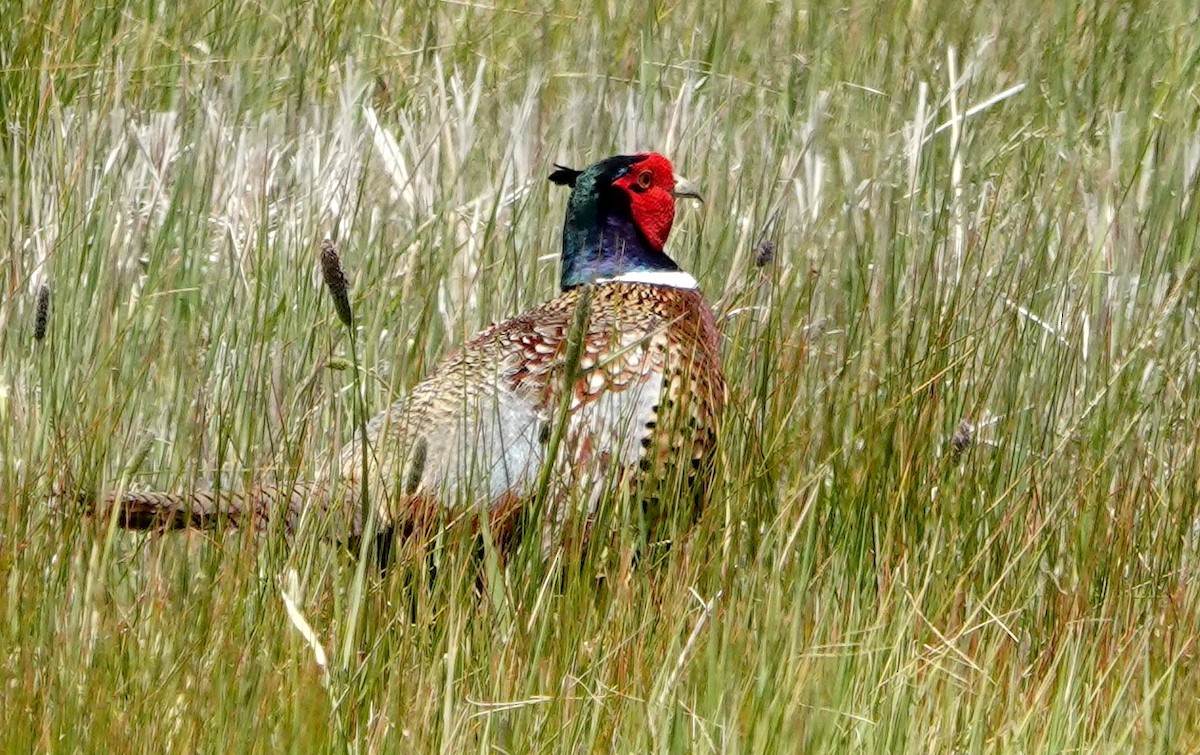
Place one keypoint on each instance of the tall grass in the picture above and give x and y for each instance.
(956, 504)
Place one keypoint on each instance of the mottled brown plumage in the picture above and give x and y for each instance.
(649, 391)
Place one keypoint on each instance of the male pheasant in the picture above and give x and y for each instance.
(642, 389)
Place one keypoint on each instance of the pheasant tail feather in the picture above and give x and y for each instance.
(212, 510)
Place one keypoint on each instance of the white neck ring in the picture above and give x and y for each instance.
(672, 278)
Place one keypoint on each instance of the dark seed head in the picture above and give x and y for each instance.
(335, 280)
(764, 253)
(962, 439)
(42, 319)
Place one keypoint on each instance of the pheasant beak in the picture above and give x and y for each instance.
(685, 188)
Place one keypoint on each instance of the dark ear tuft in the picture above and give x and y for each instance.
(565, 176)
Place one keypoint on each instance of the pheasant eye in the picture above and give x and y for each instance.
(645, 180)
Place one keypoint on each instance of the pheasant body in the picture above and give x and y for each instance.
(644, 395)
(648, 391)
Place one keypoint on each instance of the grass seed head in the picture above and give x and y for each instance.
(42, 319)
(764, 253)
(335, 279)
(962, 439)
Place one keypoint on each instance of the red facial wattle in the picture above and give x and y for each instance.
(649, 184)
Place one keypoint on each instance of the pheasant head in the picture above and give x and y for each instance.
(618, 218)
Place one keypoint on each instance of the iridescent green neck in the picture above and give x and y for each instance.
(600, 239)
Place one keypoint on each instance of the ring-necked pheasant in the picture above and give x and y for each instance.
(646, 389)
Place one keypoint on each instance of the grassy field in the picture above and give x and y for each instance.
(956, 509)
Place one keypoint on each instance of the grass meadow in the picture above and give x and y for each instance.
(953, 249)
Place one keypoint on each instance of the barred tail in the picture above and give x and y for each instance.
(212, 510)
